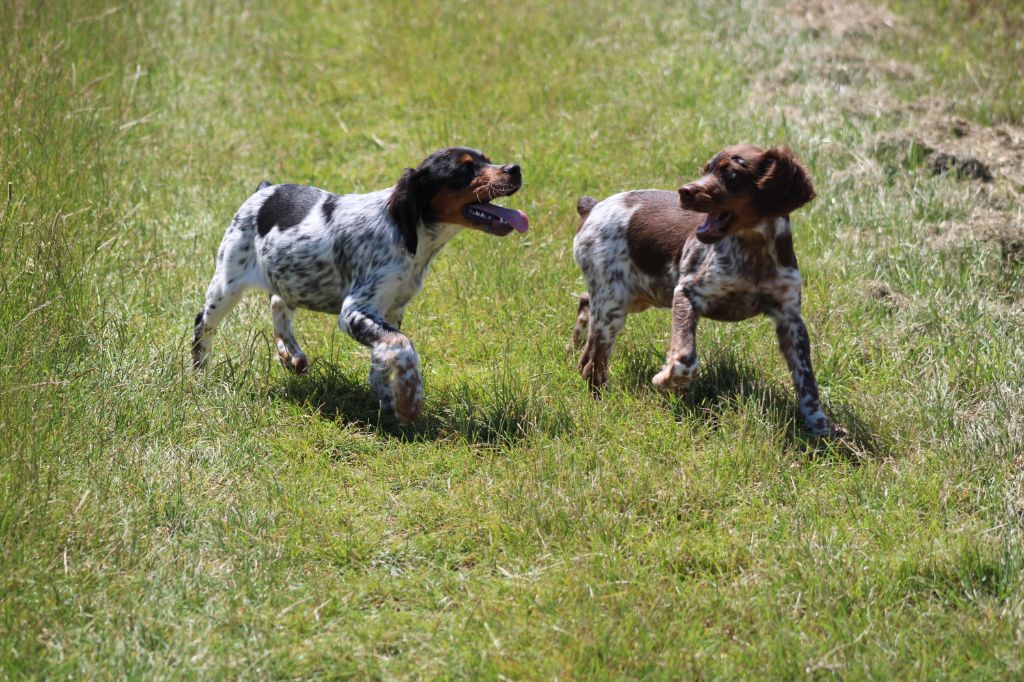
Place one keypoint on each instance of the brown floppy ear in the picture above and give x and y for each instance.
(783, 184)
(403, 207)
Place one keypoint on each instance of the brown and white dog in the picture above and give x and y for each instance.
(722, 248)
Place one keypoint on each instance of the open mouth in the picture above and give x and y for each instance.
(713, 227)
(496, 220)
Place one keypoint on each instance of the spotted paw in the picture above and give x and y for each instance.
(674, 377)
(408, 390)
(295, 363)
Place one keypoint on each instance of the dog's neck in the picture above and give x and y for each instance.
(432, 238)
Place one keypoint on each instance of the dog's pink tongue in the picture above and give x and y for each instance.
(517, 219)
(520, 221)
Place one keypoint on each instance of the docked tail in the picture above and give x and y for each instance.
(584, 205)
(263, 184)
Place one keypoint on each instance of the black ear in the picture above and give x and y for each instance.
(403, 206)
(783, 184)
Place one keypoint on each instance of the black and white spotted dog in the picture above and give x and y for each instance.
(362, 257)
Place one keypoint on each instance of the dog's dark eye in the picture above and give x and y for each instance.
(733, 180)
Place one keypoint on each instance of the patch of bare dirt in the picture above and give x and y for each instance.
(999, 147)
(844, 73)
(1004, 227)
(841, 19)
(841, 78)
(893, 302)
(961, 166)
(901, 149)
(939, 142)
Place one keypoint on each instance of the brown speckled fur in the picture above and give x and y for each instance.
(721, 247)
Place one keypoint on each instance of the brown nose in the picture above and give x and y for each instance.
(686, 194)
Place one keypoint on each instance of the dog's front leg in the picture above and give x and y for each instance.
(796, 348)
(394, 365)
(681, 364)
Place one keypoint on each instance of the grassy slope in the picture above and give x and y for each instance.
(246, 522)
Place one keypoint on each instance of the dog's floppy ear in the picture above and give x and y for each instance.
(783, 184)
(404, 208)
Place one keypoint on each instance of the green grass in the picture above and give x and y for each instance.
(247, 523)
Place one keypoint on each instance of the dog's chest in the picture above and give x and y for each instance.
(407, 286)
(406, 281)
(723, 285)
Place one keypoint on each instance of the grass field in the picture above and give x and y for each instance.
(156, 523)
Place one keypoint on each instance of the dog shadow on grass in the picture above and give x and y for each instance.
(504, 411)
(499, 414)
(724, 380)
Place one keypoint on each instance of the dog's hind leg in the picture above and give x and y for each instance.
(220, 300)
(288, 349)
(607, 317)
(607, 300)
(579, 330)
(236, 263)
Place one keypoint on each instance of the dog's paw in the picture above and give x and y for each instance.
(380, 387)
(675, 377)
(593, 366)
(595, 375)
(824, 429)
(838, 432)
(408, 390)
(200, 354)
(294, 363)
(835, 432)
(395, 381)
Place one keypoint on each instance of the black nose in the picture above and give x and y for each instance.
(513, 170)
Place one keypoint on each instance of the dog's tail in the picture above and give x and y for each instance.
(585, 205)
(263, 184)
